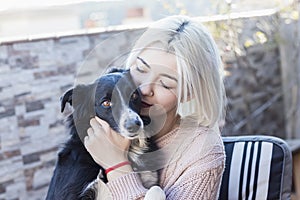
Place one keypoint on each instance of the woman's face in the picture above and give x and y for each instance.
(155, 72)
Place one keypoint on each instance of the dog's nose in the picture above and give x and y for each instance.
(133, 125)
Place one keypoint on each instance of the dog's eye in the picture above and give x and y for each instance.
(106, 104)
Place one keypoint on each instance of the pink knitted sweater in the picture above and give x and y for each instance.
(193, 168)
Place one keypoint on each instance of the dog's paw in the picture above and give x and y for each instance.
(155, 193)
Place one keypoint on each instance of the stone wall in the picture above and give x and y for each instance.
(34, 74)
(253, 82)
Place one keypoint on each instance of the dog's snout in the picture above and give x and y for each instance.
(133, 125)
(138, 122)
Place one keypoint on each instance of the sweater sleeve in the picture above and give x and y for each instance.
(195, 185)
(192, 184)
(127, 187)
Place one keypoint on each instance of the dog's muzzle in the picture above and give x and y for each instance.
(131, 124)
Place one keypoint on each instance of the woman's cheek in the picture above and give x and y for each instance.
(134, 76)
(168, 99)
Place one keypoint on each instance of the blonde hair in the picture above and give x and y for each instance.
(201, 91)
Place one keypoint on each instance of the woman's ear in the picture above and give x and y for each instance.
(66, 98)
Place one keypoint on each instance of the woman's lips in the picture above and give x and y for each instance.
(145, 105)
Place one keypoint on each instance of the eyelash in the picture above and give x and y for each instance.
(139, 69)
(142, 71)
(165, 85)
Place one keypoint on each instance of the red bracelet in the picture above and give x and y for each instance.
(117, 166)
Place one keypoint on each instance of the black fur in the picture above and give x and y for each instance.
(75, 168)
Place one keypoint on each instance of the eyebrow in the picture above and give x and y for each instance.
(144, 62)
(162, 74)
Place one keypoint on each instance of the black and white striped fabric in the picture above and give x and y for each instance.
(257, 168)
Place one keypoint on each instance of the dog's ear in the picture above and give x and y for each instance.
(66, 98)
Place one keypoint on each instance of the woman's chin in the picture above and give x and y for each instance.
(152, 112)
(144, 112)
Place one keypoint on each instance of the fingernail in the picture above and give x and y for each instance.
(98, 119)
(91, 120)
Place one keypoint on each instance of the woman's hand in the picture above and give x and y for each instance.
(106, 146)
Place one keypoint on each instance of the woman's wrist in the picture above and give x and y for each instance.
(114, 167)
(114, 172)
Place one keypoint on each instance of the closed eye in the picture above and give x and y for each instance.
(164, 85)
(139, 69)
(143, 67)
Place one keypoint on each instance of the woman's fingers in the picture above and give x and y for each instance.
(90, 136)
(103, 124)
(90, 132)
(100, 127)
(113, 145)
(98, 130)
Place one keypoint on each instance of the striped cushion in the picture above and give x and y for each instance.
(257, 167)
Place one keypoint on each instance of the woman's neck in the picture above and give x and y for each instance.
(169, 125)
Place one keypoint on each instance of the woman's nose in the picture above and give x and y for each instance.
(147, 89)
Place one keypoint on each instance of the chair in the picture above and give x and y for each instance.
(257, 167)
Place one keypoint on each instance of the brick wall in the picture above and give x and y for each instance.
(34, 74)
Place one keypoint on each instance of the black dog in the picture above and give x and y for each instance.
(113, 98)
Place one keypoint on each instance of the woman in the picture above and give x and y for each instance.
(177, 67)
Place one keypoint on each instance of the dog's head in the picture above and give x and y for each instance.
(113, 97)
